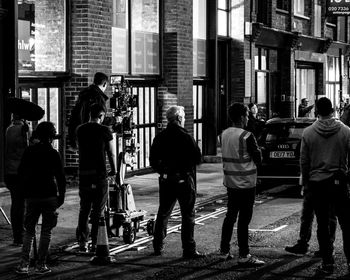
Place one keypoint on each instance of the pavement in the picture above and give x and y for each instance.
(275, 224)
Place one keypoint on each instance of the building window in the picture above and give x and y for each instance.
(283, 5)
(135, 37)
(299, 7)
(145, 120)
(333, 82)
(199, 37)
(198, 90)
(47, 98)
(261, 59)
(341, 29)
(223, 17)
(41, 36)
(261, 11)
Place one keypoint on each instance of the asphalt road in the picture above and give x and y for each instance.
(275, 224)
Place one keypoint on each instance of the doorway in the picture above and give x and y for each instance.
(223, 85)
(305, 83)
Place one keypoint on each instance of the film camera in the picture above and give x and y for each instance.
(122, 104)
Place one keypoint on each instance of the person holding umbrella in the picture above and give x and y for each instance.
(17, 138)
(16, 141)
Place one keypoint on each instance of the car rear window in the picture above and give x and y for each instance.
(284, 131)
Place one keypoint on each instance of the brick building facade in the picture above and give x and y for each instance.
(266, 52)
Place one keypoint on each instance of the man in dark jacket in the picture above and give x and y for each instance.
(43, 182)
(325, 146)
(88, 96)
(174, 155)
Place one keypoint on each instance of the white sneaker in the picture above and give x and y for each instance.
(22, 268)
(249, 260)
(42, 269)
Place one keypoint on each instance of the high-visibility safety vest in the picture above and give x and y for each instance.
(239, 168)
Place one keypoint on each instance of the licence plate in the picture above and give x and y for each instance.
(282, 154)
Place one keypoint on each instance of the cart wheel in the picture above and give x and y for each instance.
(150, 226)
(129, 234)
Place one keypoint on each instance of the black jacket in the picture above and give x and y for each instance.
(174, 151)
(81, 111)
(41, 172)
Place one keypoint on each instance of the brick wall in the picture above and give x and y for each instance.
(91, 22)
(178, 57)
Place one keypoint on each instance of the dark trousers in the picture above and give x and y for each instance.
(17, 207)
(328, 198)
(93, 195)
(306, 220)
(46, 207)
(239, 201)
(184, 191)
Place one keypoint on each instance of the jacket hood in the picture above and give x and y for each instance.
(91, 91)
(328, 127)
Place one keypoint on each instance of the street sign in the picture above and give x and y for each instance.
(338, 7)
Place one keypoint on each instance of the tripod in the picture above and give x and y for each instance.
(4, 214)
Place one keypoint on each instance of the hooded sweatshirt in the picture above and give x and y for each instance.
(324, 149)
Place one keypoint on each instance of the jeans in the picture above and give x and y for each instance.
(239, 201)
(307, 217)
(328, 198)
(17, 207)
(93, 194)
(46, 207)
(172, 189)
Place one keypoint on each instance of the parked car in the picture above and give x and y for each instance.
(280, 145)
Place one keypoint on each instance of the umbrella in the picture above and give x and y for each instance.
(25, 109)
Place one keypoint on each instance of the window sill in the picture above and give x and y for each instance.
(301, 16)
(280, 11)
(329, 24)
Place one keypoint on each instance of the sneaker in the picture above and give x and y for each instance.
(83, 247)
(93, 248)
(249, 260)
(225, 256)
(325, 269)
(297, 249)
(22, 268)
(193, 255)
(42, 269)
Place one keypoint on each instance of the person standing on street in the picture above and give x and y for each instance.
(306, 220)
(94, 142)
(88, 96)
(240, 155)
(254, 124)
(16, 141)
(43, 183)
(174, 155)
(323, 173)
(304, 109)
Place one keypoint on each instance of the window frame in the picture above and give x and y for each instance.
(227, 13)
(284, 5)
(68, 66)
(34, 86)
(129, 73)
(299, 7)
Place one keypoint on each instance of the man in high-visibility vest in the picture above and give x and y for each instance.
(240, 155)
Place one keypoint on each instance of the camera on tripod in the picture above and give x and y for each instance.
(122, 104)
